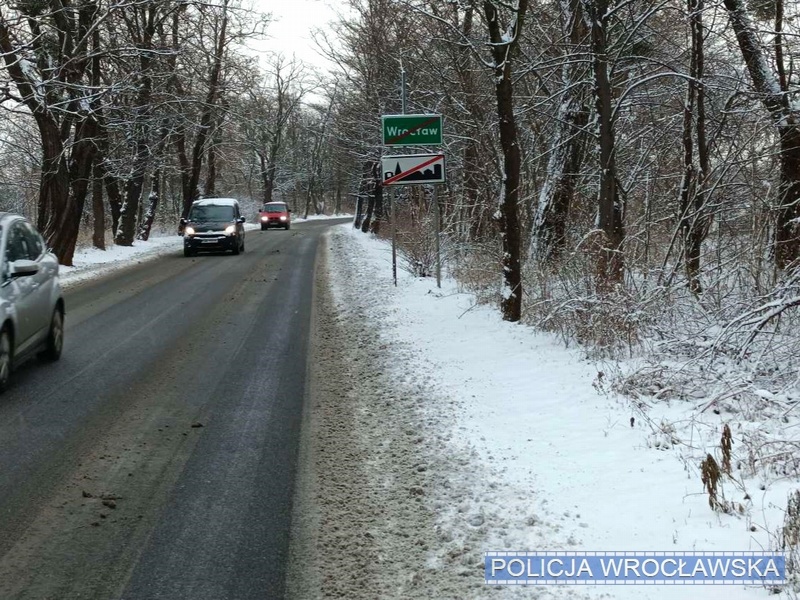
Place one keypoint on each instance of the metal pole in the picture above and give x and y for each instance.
(438, 214)
(391, 192)
(394, 237)
(402, 87)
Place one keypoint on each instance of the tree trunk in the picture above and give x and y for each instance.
(357, 218)
(308, 201)
(186, 172)
(366, 224)
(367, 221)
(377, 193)
(337, 205)
(213, 154)
(104, 177)
(264, 178)
(503, 50)
(695, 220)
(133, 193)
(478, 211)
(363, 187)
(474, 208)
(146, 223)
(566, 150)
(153, 200)
(787, 234)
(98, 208)
(378, 218)
(54, 179)
(271, 169)
(129, 213)
(610, 262)
(787, 122)
(64, 223)
(114, 198)
(180, 134)
(211, 175)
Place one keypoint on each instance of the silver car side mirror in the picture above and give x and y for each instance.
(24, 268)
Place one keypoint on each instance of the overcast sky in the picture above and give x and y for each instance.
(290, 33)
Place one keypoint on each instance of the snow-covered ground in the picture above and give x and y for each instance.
(90, 262)
(554, 462)
(298, 219)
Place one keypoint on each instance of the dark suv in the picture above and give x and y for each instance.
(213, 224)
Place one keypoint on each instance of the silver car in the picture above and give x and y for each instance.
(31, 305)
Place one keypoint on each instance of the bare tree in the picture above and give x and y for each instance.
(269, 107)
(503, 43)
(156, 178)
(142, 23)
(191, 171)
(610, 210)
(695, 218)
(317, 154)
(45, 50)
(786, 119)
(567, 148)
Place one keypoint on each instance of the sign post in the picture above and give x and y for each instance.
(438, 213)
(413, 169)
(394, 236)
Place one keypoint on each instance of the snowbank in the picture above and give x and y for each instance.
(538, 456)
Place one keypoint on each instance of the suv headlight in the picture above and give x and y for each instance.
(283, 218)
(230, 230)
(189, 230)
(264, 218)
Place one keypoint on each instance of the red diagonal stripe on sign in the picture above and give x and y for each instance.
(413, 170)
(397, 138)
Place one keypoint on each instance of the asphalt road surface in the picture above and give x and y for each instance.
(157, 458)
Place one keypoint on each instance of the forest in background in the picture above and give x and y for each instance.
(117, 116)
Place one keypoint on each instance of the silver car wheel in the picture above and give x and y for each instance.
(57, 332)
(55, 337)
(5, 359)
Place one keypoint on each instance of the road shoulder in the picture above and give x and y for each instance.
(369, 485)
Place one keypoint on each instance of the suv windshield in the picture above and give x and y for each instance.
(274, 208)
(211, 213)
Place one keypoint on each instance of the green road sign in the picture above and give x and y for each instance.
(412, 130)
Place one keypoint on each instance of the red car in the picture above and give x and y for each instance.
(275, 214)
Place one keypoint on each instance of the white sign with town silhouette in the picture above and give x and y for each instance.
(412, 169)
